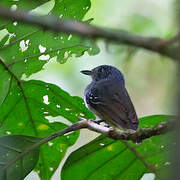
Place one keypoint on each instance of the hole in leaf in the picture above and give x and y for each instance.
(24, 45)
(42, 48)
(44, 57)
(15, 23)
(167, 163)
(14, 7)
(58, 106)
(51, 169)
(45, 99)
(101, 144)
(50, 143)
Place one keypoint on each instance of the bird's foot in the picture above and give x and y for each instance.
(98, 121)
(106, 125)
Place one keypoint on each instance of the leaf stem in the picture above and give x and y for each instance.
(19, 83)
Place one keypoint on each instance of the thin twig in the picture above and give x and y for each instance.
(163, 47)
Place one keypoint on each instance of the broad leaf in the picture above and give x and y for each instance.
(12, 167)
(36, 108)
(31, 110)
(30, 48)
(104, 158)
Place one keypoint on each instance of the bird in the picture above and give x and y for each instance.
(107, 97)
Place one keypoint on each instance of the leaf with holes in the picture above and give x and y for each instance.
(36, 108)
(29, 47)
(11, 147)
(104, 158)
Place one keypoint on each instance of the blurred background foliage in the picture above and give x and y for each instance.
(150, 78)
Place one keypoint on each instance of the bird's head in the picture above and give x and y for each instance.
(104, 72)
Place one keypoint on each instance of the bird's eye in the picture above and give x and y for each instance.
(101, 70)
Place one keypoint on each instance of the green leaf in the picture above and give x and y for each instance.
(36, 109)
(10, 148)
(150, 121)
(4, 40)
(40, 46)
(105, 158)
(5, 83)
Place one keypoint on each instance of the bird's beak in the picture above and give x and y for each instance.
(87, 72)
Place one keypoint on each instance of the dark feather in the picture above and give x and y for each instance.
(110, 101)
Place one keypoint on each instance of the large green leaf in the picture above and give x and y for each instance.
(30, 48)
(30, 110)
(107, 159)
(10, 148)
(34, 108)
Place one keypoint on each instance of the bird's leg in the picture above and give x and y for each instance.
(107, 125)
(98, 121)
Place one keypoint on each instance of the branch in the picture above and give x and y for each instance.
(164, 47)
(141, 134)
(161, 128)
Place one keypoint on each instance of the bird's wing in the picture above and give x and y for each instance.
(111, 102)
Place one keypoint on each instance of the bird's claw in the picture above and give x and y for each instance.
(106, 125)
(98, 121)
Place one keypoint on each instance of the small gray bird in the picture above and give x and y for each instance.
(108, 98)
